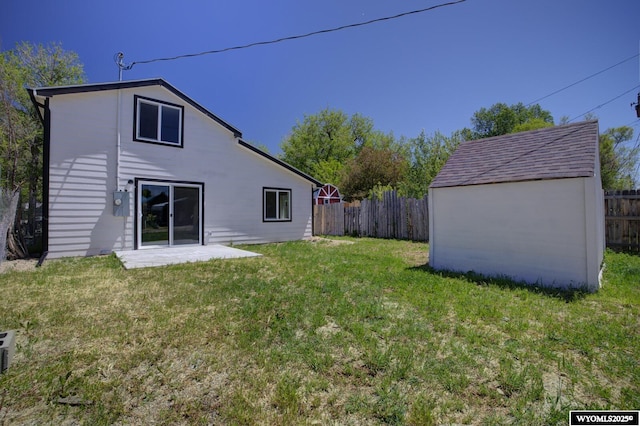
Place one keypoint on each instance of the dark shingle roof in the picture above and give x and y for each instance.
(567, 151)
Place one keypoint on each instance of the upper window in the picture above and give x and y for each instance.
(158, 122)
(277, 205)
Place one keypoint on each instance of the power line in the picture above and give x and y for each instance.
(584, 79)
(605, 103)
(294, 37)
(634, 123)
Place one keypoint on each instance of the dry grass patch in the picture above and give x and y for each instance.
(18, 265)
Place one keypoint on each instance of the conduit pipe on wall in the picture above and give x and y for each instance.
(118, 143)
(118, 120)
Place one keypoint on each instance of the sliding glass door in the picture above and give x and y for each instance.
(154, 229)
(169, 214)
(186, 216)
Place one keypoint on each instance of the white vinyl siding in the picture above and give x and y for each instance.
(81, 178)
(84, 138)
(539, 232)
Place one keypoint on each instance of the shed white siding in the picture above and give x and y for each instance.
(93, 154)
(545, 232)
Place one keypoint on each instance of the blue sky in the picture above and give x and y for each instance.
(428, 71)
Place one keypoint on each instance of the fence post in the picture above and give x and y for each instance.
(622, 220)
(391, 216)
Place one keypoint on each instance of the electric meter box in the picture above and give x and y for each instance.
(120, 203)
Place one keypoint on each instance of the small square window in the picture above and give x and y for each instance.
(158, 122)
(277, 205)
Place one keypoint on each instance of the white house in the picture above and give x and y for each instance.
(528, 206)
(137, 164)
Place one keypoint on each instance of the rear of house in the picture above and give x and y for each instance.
(138, 164)
(528, 206)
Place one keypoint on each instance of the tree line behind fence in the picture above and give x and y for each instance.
(408, 219)
(388, 217)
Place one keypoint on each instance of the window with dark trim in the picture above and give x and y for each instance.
(158, 122)
(276, 205)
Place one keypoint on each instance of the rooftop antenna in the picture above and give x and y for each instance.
(118, 58)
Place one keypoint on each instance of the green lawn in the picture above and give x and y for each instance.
(356, 332)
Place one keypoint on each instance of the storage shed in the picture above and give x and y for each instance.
(528, 206)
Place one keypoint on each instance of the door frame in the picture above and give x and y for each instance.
(137, 223)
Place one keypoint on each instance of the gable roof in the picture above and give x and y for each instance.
(568, 151)
(46, 92)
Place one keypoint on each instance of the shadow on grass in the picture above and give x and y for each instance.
(568, 296)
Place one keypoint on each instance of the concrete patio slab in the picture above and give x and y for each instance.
(173, 255)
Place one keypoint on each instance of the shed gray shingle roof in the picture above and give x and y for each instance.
(567, 151)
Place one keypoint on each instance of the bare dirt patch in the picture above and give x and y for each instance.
(18, 265)
(321, 240)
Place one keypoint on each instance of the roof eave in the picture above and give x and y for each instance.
(463, 184)
(118, 85)
(38, 105)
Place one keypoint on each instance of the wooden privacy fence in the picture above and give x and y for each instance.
(408, 219)
(622, 220)
(390, 217)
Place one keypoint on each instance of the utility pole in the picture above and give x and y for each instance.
(119, 60)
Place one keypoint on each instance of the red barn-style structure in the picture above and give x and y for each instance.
(328, 194)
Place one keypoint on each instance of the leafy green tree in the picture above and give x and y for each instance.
(373, 166)
(427, 155)
(323, 143)
(16, 129)
(377, 192)
(533, 124)
(618, 160)
(501, 119)
(20, 130)
(328, 171)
